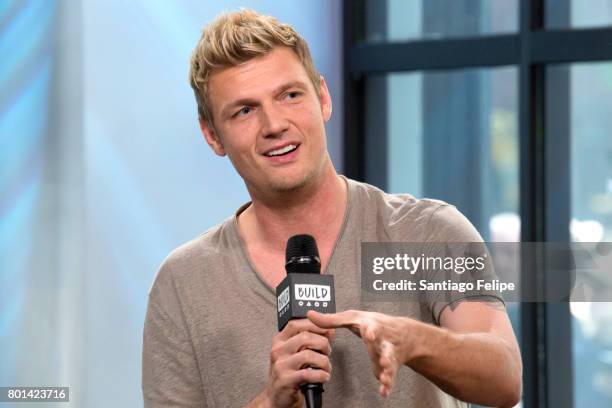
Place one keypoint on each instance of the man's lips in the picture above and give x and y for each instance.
(280, 150)
(286, 157)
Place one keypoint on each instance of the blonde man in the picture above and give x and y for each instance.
(209, 337)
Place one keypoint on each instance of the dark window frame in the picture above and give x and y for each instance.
(546, 336)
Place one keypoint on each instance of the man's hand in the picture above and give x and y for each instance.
(475, 346)
(384, 336)
(300, 345)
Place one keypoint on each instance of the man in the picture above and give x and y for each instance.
(209, 337)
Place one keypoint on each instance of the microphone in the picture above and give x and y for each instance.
(304, 289)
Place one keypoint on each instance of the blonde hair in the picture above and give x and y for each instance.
(234, 38)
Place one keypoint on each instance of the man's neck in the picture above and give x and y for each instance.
(318, 212)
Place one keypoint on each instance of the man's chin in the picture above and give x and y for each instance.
(287, 186)
(290, 184)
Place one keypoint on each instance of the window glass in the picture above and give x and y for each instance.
(401, 20)
(561, 14)
(449, 135)
(590, 121)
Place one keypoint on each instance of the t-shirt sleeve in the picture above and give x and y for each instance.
(449, 230)
(170, 372)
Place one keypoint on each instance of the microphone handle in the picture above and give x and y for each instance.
(313, 395)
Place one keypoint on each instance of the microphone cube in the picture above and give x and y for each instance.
(300, 292)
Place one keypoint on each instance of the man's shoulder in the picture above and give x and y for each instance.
(394, 207)
(206, 243)
(192, 256)
(426, 219)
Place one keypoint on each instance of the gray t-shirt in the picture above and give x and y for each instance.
(211, 317)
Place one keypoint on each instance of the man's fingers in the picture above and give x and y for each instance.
(371, 332)
(327, 321)
(387, 380)
(381, 351)
(389, 367)
(384, 391)
(308, 340)
(346, 319)
(307, 358)
(300, 325)
(308, 375)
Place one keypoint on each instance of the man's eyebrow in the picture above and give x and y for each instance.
(292, 84)
(239, 102)
(250, 102)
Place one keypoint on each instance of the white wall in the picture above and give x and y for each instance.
(126, 177)
(151, 182)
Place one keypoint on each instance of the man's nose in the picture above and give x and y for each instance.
(274, 122)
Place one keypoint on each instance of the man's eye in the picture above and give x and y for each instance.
(292, 95)
(244, 111)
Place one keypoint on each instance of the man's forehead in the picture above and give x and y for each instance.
(259, 75)
(278, 56)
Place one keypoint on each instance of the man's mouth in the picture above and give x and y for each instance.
(282, 151)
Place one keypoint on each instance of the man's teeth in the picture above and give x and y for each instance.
(284, 150)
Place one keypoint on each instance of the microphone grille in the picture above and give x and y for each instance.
(301, 245)
(302, 255)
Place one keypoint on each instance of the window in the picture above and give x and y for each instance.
(499, 107)
(588, 117)
(401, 20)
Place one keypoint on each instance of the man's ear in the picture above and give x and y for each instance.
(326, 102)
(212, 138)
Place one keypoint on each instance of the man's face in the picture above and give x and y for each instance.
(269, 121)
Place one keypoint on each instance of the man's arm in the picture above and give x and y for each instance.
(476, 346)
(473, 357)
(170, 374)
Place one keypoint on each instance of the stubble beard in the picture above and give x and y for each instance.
(289, 185)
